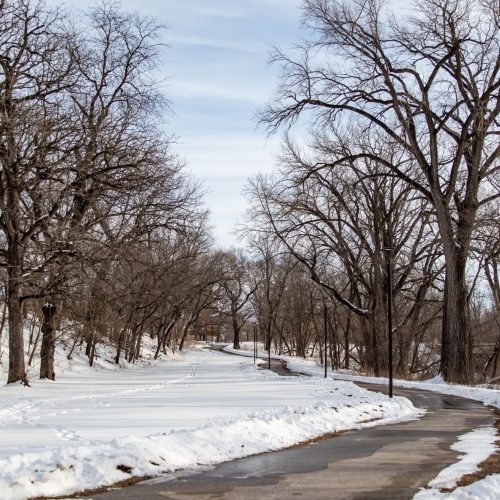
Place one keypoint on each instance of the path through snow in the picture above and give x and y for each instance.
(60, 437)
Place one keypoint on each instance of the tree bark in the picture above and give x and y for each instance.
(121, 340)
(4, 318)
(346, 341)
(456, 343)
(92, 349)
(35, 344)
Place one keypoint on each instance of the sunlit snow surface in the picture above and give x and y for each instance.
(205, 408)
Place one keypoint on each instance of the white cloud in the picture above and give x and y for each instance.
(215, 43)
(202, 89)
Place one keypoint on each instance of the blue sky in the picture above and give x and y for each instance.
(217, 76)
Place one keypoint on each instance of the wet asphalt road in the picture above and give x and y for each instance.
(385, 462)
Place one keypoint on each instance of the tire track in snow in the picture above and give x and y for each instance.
(194, 369)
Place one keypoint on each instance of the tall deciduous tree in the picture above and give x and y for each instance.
(86, 167)
(237, 289)
(336, 221)
(35, 71)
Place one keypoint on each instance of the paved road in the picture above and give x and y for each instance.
(384, 462)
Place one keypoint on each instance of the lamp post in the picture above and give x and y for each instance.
(325, 318)
(269, 351)
(254, 344)
(388, 254)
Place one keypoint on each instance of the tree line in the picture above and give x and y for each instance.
(390, 151)
(400, 151)
(94, 204)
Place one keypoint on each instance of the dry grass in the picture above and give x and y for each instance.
(323, 437)
(102, 489)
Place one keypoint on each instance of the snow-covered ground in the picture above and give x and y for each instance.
(476, 446)
(97, 426)
(311, 367)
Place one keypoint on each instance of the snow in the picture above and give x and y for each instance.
(476, 447)
(310, 367)
(178, 413)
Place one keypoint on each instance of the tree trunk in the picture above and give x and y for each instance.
(162, 337)
(121, 340)
(165, 339)
(185, 331)
(92, 349)
(75, 341)
(35, 344)
(4, 318)
(374, 357)
(48, 341)
(89, 339)
(17, 369)
(267, 338)
(137, 350)
(456, 344)
(236, 329)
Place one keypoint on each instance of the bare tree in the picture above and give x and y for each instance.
(121, 175)
(86, 167)
(237, 289)
(35, 71)
(270, 272)
(429, 84)
(337, 222)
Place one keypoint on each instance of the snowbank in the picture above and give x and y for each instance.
(63, 471)
(88, 430)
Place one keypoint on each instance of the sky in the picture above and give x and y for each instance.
(217, 77)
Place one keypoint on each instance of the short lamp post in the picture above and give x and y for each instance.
(388, 255)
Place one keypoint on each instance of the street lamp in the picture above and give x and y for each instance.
(325, 314)
(254, 344)
(269, 351)
(388, 254)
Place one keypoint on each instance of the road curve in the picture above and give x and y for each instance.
(384, 462)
